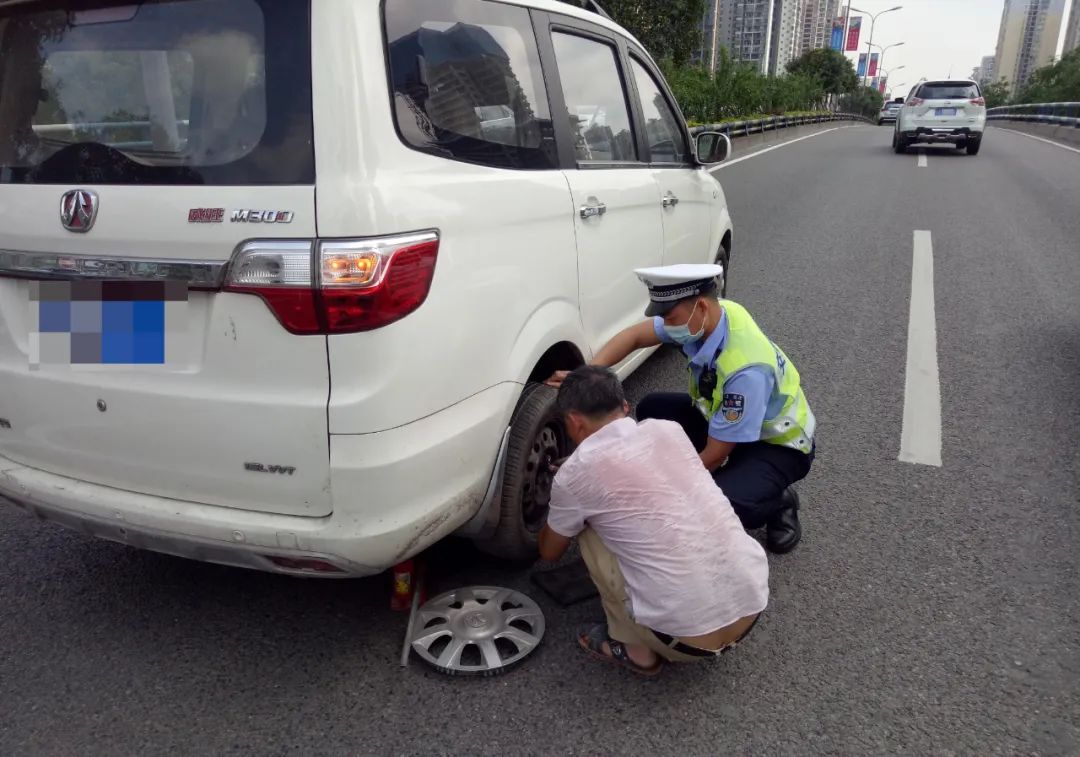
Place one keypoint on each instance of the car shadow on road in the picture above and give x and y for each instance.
(931, 151)
(938, 151)
(169, 614)
(157, 589)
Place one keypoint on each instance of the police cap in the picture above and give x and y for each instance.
(671, 284)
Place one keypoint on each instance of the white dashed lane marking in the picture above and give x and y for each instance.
(920, 436)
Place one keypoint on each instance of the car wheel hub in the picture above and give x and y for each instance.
(477, 630)
(536, 495)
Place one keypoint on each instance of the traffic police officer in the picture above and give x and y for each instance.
(745, 410)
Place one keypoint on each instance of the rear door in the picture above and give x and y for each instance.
(950, 104)
(616, 201)
(140, 146)
(687, 193)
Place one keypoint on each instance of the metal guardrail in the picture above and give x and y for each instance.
(1058, 114)
(772, 123)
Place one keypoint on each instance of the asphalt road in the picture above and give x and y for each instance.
(928, 610)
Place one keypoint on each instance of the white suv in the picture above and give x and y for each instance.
(279, 278)
(942, 111)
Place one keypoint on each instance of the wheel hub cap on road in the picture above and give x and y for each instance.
(477, 630)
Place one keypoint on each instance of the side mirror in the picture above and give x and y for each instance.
(712, 148)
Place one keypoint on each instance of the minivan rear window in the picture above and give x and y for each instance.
(158, 92)
(948, 90)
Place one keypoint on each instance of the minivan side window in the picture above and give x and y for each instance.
(667, 143)
(467, 83)
(595, 99)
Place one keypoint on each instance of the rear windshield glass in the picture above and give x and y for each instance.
(949, 90)
(160, 92)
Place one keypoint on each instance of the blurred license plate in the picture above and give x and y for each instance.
(945, 112)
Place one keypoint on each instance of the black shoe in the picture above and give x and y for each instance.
(783, 531)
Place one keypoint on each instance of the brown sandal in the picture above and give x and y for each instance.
(592, 638)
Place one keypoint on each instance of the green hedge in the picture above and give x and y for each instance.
(737, 90)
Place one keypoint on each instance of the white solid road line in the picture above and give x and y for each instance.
(727, 163)
(922, 158)
(920, 436)
(1040, 139)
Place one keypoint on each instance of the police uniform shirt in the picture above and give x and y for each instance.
(749, 396)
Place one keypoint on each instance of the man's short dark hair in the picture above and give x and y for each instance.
(592, 391)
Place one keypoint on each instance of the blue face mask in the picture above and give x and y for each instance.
(681, 334)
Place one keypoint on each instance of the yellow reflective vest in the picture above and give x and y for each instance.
(746, 346)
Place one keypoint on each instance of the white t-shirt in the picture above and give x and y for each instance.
(690, 567)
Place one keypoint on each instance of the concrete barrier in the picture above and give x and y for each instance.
(1057, 121)
(1063, 133)
(742, 145)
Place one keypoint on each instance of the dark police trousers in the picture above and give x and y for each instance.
(756, 474)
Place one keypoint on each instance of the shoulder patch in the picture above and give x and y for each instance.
(732, 407)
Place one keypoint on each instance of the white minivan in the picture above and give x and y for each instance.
(280, 279)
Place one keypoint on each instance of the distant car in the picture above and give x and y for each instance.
(942, 111)
(888, 112)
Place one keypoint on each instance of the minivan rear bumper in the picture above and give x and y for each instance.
(395, 493)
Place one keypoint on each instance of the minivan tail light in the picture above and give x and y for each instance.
(979, 101)
(337, 286)
(370, 283)
(280, 273)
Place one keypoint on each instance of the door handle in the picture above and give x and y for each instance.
(593, 210)
(670, 200)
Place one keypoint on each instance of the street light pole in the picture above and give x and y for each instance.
(888, 73)
(847, 23)
(881, 60)
(843, 42)
(870, 41)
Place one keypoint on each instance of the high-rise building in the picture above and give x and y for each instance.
(744, 27)
(748, 32)
(785, 35)
(984, 72)
(1028, 38)
(767, 34)
(815, 28)
(1072, 35)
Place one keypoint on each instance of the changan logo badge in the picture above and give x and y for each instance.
(78, 210)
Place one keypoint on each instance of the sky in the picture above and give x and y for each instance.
(941, 37)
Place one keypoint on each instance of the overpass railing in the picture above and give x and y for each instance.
(772, 123)
(1059, 114)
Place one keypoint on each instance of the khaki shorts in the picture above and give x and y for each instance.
(607, 575)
